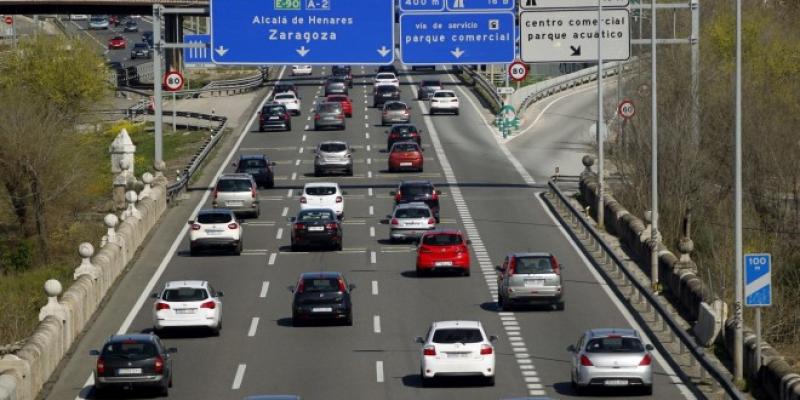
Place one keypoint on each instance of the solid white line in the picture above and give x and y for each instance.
(279, 235)
(253, 327)
(285, 211)
(237, 379)
(379, 371)
(272, 258)
(264, 289)
(374, 288)
(371, 231)
(376, 323)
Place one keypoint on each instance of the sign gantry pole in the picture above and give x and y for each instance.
(600, 122)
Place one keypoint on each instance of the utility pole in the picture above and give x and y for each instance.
(654, 234)
(695, 43)
(157, 79)
(738, 357)
(600, 123)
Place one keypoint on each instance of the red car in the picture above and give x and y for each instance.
(405, 156)
(347, 104)
(443, 250)
(117, 42)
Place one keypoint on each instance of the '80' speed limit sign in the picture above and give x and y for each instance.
(518, 71)
(173, 81)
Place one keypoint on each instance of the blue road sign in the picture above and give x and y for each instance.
(758, 280)
(422, 5)
(457, 38)
(479, 5)
(302, 31)
(195, 56)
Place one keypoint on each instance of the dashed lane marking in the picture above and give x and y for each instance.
(264, 289)
(237, 379)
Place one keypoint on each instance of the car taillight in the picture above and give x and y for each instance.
(395, 221)
(486, 349)
(385, 113)
(331, 226)
(298, 227)
(159, 365)
(215, 193)
(394, 135)
(253, 192)
(512, 266)
(556, 268)
(461, 249)
(301, 287)
(233, 225)
(101, 366)
(338, 199)
(303, 199)
(286, 116)
(340, 116)
(209, 305)
(646, 360)
(397, 196)
(196, 227)
(316, 117)
(586, 362)
(431, 220)
(434, 195)
(429, 351)
(162, 306)
(342, 288)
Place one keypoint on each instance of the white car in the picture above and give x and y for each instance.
(457, 348)
(386, 78)
(323, 195)
(289, 100)
(78, 17)
(443, 101)
(215, 228)
(301, 70)
(184, 304)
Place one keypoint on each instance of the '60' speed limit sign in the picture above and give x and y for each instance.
(173, 81)
(518, 71)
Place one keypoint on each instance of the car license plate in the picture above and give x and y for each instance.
(330, 118)
(184, 311)
(405, 164)
(534, 282)
(233, 203)
(457, 355)
(444, 264)
(213, 231)
(274, 118)
(387, 95)
(321, 309)
(616, 382)
(316, 228)
(129, 371)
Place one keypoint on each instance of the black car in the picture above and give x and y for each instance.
(322, 296)
(131, 26)
(274, 116)
(147, 37)
(259, 166)
(316, 226)
(388, 68)
(140, 50)
(344, 73)
(335, 86)
(402, 133)
(281, 87)
(424, 191)
(131, 361)
(385, 93)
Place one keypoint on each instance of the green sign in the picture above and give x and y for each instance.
(287, 4)
(507, 119)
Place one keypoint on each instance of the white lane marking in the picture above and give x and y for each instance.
(369, 148)
(297, 162)
(237, 379)
(369, 174)
(305, 128)
(371, 231)
(366, 125)
(285, 211)
(376, 323)
(369, 192)
(371, 210)
(264, 289)
(294, 175)
(279, 235)
(367, 135)
(617, 303)
(253, 327)
(289, 193)
(374, 288)
(366, 117)
(301, 150)
(369, 161)
(379, 371)
(272, 258)
(304, 138)
(372, 257)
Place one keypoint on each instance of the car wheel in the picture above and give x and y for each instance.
(499, 302)
(339, 246)
(490, 381)
(99, 392)
(420, 272)
(163, 391)
(560, 306)
(271, 183)
(647, 390)
(295, 247)
(420, 169)
(426, 382)
(258, 212)
(215, 331)
(349, 320)
(504, 305)
(193, 250)
(317, 172)
(238, 249)
(288, 127)
(456, 112)
(296, 321)
(350, 172)
(578, 389)
(466, 272)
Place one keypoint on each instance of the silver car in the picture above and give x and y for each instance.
(530, 278)
(333, 156)
(395, 112)
(410, 221)
(611, 358)
(237, 192)
(329, 115)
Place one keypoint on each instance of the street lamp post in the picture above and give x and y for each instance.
(654, 235)
(737, 308)
(600, 138)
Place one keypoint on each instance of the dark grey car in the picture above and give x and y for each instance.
(135, 360)
(426, 89)
(335, 86)
(140, 50)
(329, 115)
(395, 112)
(385, 93)
(322, 296)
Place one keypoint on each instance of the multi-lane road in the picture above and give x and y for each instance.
(490, 193)
(102, 36)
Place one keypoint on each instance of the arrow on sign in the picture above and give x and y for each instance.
(383, 51)
(303, 51)
(576, 51)
(221, 50)
(457, 52)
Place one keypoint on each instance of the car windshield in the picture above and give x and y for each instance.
(444, 94)
(130, 350)
(614, 344)
(332, 147)
(395, 106)
(274, 110)
(253, 163)
(233, 185)
(385, 76)
(321, 285)
(315, 215)
(404, 147)
(457, 335)
(320, 190)
(441, 239)
(416, 190)
(184, 294)
(412, 213)
(533, 265)
(214, 218)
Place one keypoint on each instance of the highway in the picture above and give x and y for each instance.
(489, 192)
(102, 36)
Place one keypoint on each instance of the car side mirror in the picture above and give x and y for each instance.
(419, 340)
(649, 347)
(344, 192)
(191, 222)
(233, 164)
(438, 192)
(386, 132)
(273, 163)
(94, 352)
(351, 286)
(384, 221)
(469, 242)
(154, 295)
(493, 338)
(172, 350)
(392, 193)
(571, 348)
(498, 268)
(220, 293)
(290, 288)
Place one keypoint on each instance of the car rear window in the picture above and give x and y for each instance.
(315, 215)
(533, 265)
(444, 94)
(321, 285)
(457, 335)
(387, 89)
(253, 163)
(332, 147)
(404, 129)
(336, 98)
(272, 110)
(405, 147)
(385, 75)
(320, 190)
(412, 213)
(395, 106)
(284, 96)
(233, 185)
(184, 294)
(330, 107)
(415, 190)
(130, 350)
(442, 239)
(214, 218)
(614, 344)
(431, 83)
(140, 46)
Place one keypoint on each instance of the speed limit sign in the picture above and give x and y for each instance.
(626, 109)
(173, 81)
(518, 70)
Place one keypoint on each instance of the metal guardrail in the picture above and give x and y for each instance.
(686, 341)
(227, 86)
(484, 84)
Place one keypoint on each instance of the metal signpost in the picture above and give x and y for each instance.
(457, 38)
(518, 71)
(626, 109)
(198, 57)
(456, 5)
(541, 4)
(302, 32)
(758, 289)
